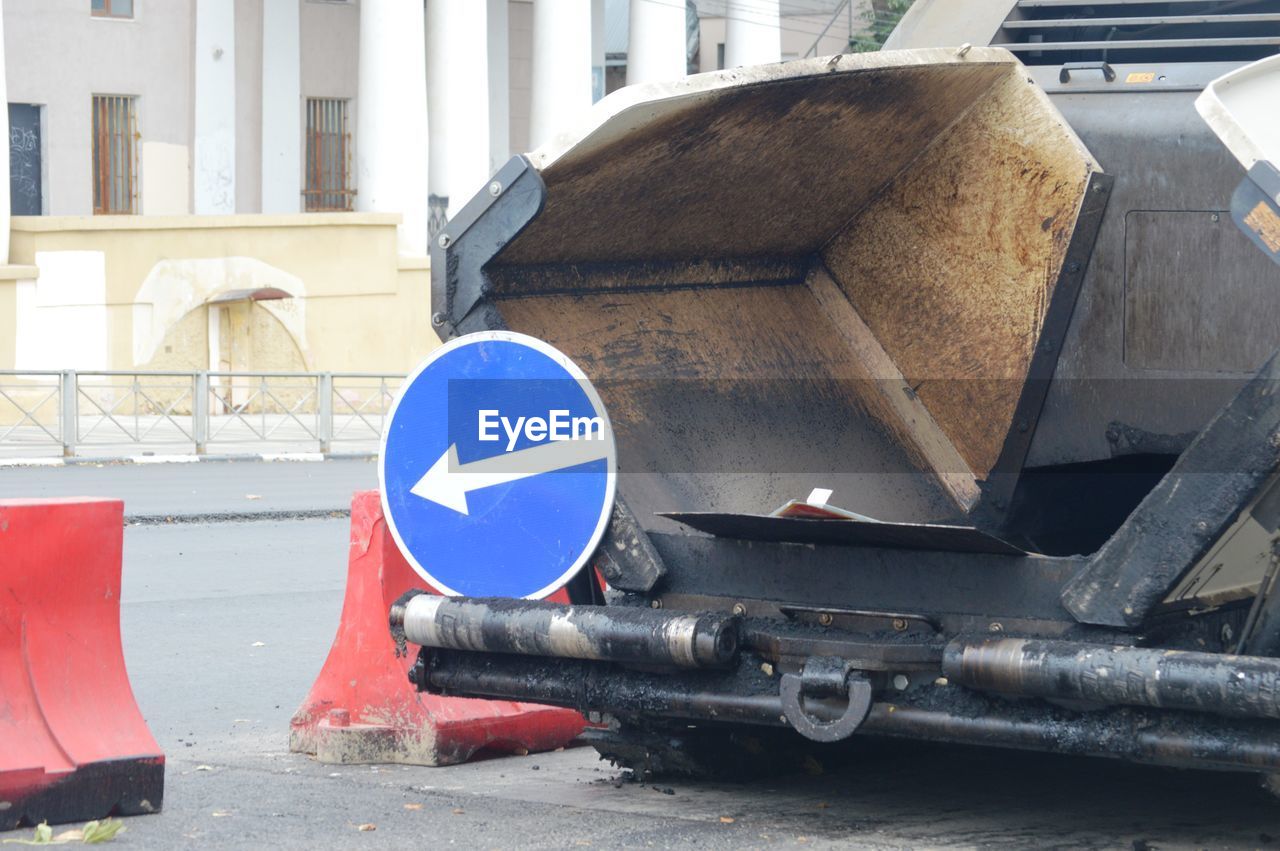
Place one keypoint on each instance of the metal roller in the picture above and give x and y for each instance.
(1178, 739)
(536, 628)
(1236, 686)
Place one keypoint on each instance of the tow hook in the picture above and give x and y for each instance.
(826, 676)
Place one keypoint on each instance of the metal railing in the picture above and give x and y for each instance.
(75, 410)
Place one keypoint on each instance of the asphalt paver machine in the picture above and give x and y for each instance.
(943, 390)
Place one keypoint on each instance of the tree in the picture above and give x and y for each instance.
(881, 18)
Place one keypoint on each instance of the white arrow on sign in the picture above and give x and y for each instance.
(448, 482)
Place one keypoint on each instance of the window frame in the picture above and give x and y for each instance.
(109, 14)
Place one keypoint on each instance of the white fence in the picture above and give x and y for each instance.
(191, 411)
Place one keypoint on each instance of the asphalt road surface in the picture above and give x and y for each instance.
(225, 625)
(211, 489)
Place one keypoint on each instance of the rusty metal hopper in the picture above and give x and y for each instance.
(850, 273)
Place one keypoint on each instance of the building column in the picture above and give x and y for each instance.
(657, 48)
(561, 75)
(458, 99)
(598, 81)
(391, 117)
(214, 154)
(437, 79)
(753, 35)
(499, 84)
(4, 152)
(281, 107)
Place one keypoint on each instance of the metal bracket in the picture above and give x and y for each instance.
(626, 557)
(1261, 633)
(1108, 73)
(1255, 208)
(1219, 475)
(478, 233)
(826, 676)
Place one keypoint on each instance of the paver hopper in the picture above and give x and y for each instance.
(848, 287)
(853, 273)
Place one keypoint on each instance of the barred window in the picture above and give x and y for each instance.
(115, 154)
(328, 183)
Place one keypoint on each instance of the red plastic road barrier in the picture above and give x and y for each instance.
(73, 745)
(362, 707)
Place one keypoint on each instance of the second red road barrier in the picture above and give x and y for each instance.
(362, 707)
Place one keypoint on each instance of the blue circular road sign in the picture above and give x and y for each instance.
(498, 467)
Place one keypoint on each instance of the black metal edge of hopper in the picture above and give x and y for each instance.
(798, 530)
(883, 579)
(997, 489)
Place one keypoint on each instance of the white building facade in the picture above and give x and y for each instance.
(176, 107)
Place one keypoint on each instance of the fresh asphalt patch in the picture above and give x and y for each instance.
(236, 517)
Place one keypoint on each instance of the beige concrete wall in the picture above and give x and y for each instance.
(8, 321)
(9, 278)
(59, 56)
(356, 306)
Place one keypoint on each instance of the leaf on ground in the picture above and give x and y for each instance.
(457, 811)
(413, 806)
(726, 820)
(91, 834)
(102, 831)
(366, 827)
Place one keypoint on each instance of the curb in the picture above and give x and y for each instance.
(188, 459)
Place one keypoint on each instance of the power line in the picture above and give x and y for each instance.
(827, 7)
(792, 29)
